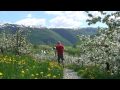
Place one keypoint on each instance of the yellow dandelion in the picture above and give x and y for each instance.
(1, 73)
(37, 74)
(54, 76)
(49, 75)
(23, 71)
(49, 69)
(32, 75)
(4, 59)
(41, 72)
(10, 59)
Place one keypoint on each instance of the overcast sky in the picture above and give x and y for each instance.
(58, 19)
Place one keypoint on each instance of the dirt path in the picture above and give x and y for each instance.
(70, 74)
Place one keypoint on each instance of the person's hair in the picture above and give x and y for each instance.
(58, 42)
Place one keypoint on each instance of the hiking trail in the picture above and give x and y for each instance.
(70, 74)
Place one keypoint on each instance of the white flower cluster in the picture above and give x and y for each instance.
(101, 49)
(14, 41)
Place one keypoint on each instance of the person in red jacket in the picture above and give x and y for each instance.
(60, 51)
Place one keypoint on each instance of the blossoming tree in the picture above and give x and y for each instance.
(103, 48)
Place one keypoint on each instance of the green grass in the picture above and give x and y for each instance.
(38, 48)
(72, 51)
(74, 67)
(93, 72)
(24, 67)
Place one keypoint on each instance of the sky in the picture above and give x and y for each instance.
(50, 19)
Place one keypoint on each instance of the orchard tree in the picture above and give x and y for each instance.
(22, 45)
(15, 42)
(104, 48)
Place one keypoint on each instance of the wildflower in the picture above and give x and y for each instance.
(49, 69)
(10, 59)
(54, 76)
(22, 71)
(4, 59)
(41, 72)
(37, 74)
(1, 74)
(49, 75)
(32, 75)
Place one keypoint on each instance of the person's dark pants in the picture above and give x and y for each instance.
(60, 57)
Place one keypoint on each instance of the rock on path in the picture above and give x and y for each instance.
(70, 74)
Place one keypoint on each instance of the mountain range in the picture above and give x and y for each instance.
(50, 35)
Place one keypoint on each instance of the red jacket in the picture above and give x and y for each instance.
(59, 49)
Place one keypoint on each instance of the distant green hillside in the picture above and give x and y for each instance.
(67, 34)
(45, 36)
(85, 31)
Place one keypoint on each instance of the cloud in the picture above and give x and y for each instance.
(67, 19)
(64, 22)
(77, 15)
(29, 15)
(72, 19)
(55, 12)
(96, 13)
(60, 19)
(30, 21)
